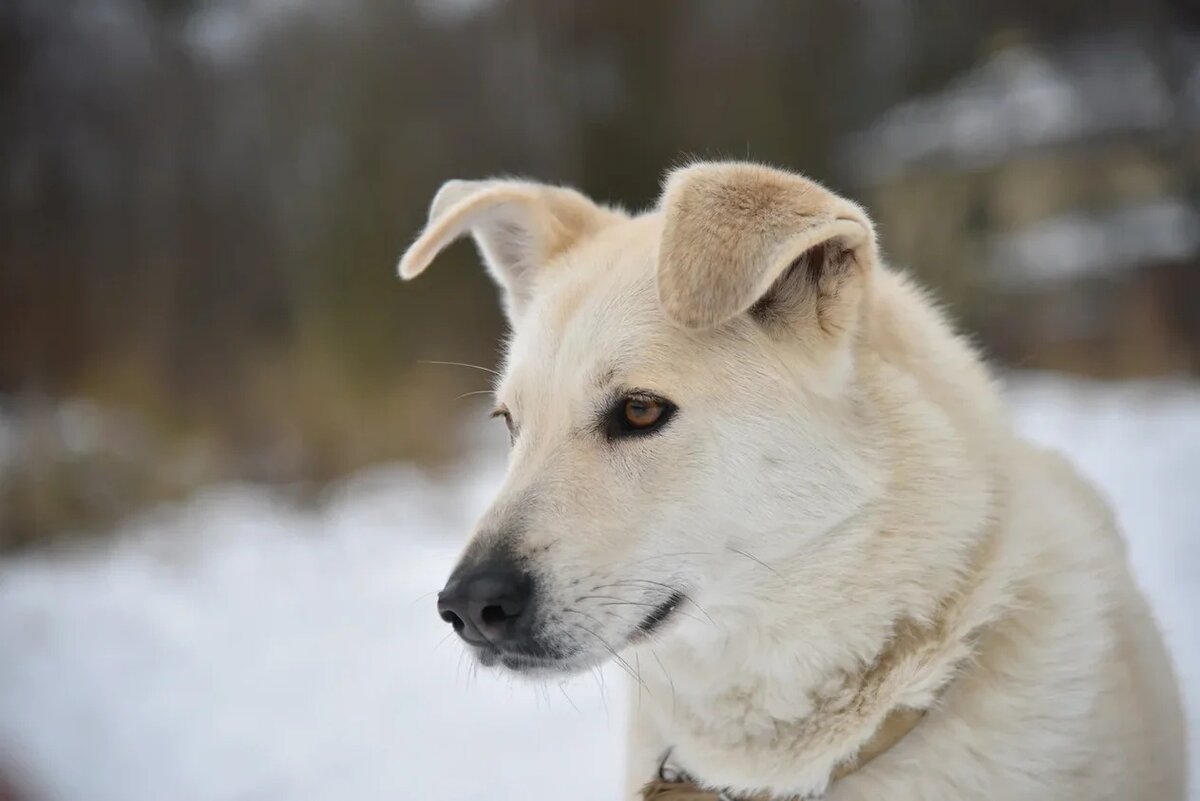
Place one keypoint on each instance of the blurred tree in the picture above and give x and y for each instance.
(201, 202)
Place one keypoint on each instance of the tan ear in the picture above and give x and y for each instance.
(738, 237)
(518, 226)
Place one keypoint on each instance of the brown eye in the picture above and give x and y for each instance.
(643, 412)
(638, 414)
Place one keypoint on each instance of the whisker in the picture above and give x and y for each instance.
(605, 598)
(599, 622)
(599, 675)
(460, 364)
(703, 611)
(670, 681)
(671, 555)
(422, 597)
(589, 614)
(476, 392)
(442, 642)
(648, 606)
(752, 558)
(617, 657)
(637, 660)
(621, 603)
(563, 690)
(666, 589)
(614, 601)
(579, 646)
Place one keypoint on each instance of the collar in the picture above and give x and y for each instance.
(941, 645)
(673, 784)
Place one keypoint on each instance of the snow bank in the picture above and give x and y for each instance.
(237, 648)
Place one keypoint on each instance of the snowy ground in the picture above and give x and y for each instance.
(236, 648)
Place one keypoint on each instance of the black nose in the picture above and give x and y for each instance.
(488, 603)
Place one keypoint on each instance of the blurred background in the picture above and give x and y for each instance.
(202, 201)
(201, 206)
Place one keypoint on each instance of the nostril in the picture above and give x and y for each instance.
(453, 619)
(489, 605)
(494, 614)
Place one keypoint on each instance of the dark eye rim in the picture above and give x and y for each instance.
(502, 411)
(617, 425)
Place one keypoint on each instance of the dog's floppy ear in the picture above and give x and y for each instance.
(743, 237)
(518, 226)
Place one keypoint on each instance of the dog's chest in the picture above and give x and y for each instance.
(720, 719)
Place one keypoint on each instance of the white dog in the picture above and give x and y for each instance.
(753, 460)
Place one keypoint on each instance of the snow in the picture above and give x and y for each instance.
(236, 647)
(239, 647)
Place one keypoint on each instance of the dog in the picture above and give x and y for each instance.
(759, 464)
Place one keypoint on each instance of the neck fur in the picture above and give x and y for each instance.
(879, 613)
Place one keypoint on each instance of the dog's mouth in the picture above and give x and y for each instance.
(657, 617)
(536, 658)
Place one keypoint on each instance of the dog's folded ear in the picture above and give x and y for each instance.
(518, 227)
(743, 238)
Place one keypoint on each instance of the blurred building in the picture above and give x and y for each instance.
(1052, 195)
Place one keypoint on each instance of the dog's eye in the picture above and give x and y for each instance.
(502, 411)
(643, 412)
(639, 414)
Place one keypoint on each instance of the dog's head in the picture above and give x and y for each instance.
(681, 391)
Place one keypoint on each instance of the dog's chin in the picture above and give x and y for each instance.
(535, 666)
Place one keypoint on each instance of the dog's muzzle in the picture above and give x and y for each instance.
(490, 603)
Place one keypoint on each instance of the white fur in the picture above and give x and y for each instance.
(841, 497)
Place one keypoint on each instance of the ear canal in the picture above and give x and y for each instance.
(518, 227)
(732, 232)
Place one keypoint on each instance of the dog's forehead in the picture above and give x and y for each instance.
(593, 314)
